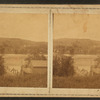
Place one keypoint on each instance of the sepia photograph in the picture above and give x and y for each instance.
(23, 50)
(50, 50)
(76, 51)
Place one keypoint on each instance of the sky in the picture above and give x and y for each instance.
(32, 27)
(82, 26)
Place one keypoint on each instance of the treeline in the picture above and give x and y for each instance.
(77, 46)
(63, 65)
(77, 49)
(19, 46)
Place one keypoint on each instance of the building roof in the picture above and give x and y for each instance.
(80, 56)
(39, 63)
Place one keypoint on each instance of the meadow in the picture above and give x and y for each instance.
(78, 80)
(35, 79)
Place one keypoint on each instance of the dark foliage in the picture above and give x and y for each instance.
(2, 67)
(63, 66)
(35, 56)
(20, 46)
(77, 46)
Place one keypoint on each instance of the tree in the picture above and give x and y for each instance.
(67, 66)
(2, 51)
(97, 61)
(63, 66)
(2, 67)
(36, 56)
(56, 67)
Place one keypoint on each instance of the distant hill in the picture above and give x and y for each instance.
(70, 41)
(86, 46)
(16, 45)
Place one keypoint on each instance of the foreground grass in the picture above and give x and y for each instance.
(36, 80)
(76, 82)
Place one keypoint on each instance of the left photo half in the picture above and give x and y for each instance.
(23, 50)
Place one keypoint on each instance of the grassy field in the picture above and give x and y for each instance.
(36, 79)
(24, 81)
(76, 82)
(79, 79)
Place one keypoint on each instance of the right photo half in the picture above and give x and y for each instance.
(76, 51)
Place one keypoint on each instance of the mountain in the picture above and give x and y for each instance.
(18, 41)
(81, 45)
(16, 45)
(70, 41)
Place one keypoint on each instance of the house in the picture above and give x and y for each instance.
(34, 67)
(39, 66)
(83, 64)
(13, 70)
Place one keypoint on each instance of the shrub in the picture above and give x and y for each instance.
(2, 68)
(56, 67)
(97, 61)
(36, 57)
(63, 66)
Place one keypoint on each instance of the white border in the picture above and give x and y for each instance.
(50, 10)
(76, 92)
(25, 91)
